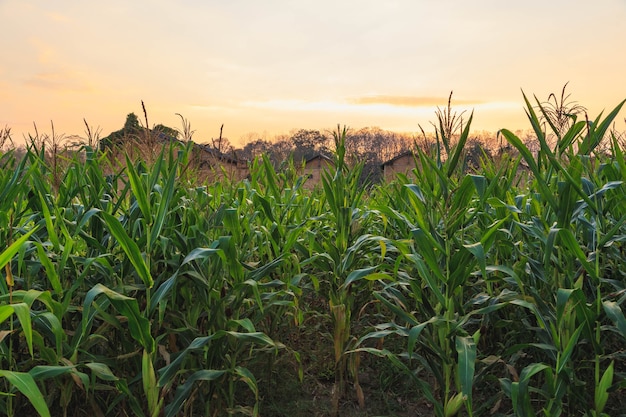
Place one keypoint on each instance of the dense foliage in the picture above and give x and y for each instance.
(143, 291)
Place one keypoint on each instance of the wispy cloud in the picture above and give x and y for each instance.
(411, 101)
(62, 80)
(44, 52)
(58, 17)
(334, 107)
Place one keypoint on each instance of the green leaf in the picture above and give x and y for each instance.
(480, 183)
(10, 252)
(564, 357)
(49, 371)
(453, 405)
(135, 406)
(569, 240)
(168, 372)
(130, 248)
(255, 337)
(562, 297)
(414, 334)
(200, 253)
(265, 206)
(138, 189)
(602, 389)
(520, 392)
(164, 205)
(45, 211)
(139, 325)
(458, 149)
(497, 203)
(249, 379)
(26, 385)
(425, 387)
(52, 324)
(51, 272)
(22, 311)
(596, 135)
(161, 293)
(615, 313)
(150, 387)
(102, 371)
(182, 392)
(478, 251)
(546, 193)
(466, 350)
(358, 275)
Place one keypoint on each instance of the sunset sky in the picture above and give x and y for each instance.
(263, 68)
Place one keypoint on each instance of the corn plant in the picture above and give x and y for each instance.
(17, 228)
(345, 261)
(444, 251)
(568, 221)
(131, 285)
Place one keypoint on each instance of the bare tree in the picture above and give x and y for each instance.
(255, 148)
(221, 144)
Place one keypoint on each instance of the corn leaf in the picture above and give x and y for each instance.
(27, 386)
(139, 325)
(182, 392)
(601, 395)
(10, 252)
(615, 313)
(466, 350)
(130, 248)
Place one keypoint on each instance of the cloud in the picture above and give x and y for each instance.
(410, 101)
(45, 53)
(58, 17)
(336, 107)
(59, 80)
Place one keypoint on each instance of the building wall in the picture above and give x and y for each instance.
(404, 165)
(216, 169)
(314, 169)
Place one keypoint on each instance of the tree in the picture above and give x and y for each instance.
(221, 144)
(133, 131)
(308, 143)
(373, 146)
(130, 130)
(280, 150)
(132, 123)
(165, 132)
(255, 148)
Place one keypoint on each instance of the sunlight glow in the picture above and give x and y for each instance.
(282, 65)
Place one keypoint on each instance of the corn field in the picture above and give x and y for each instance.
(140, 289)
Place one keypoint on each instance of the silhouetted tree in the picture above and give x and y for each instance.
(373, 146)
(308, 143)
(281, 150)
(130, 130)
(255, 148)
(221, 144)
(132, 123)
(165, 132)
(133, 131)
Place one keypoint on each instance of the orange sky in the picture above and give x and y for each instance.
(264, 68)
